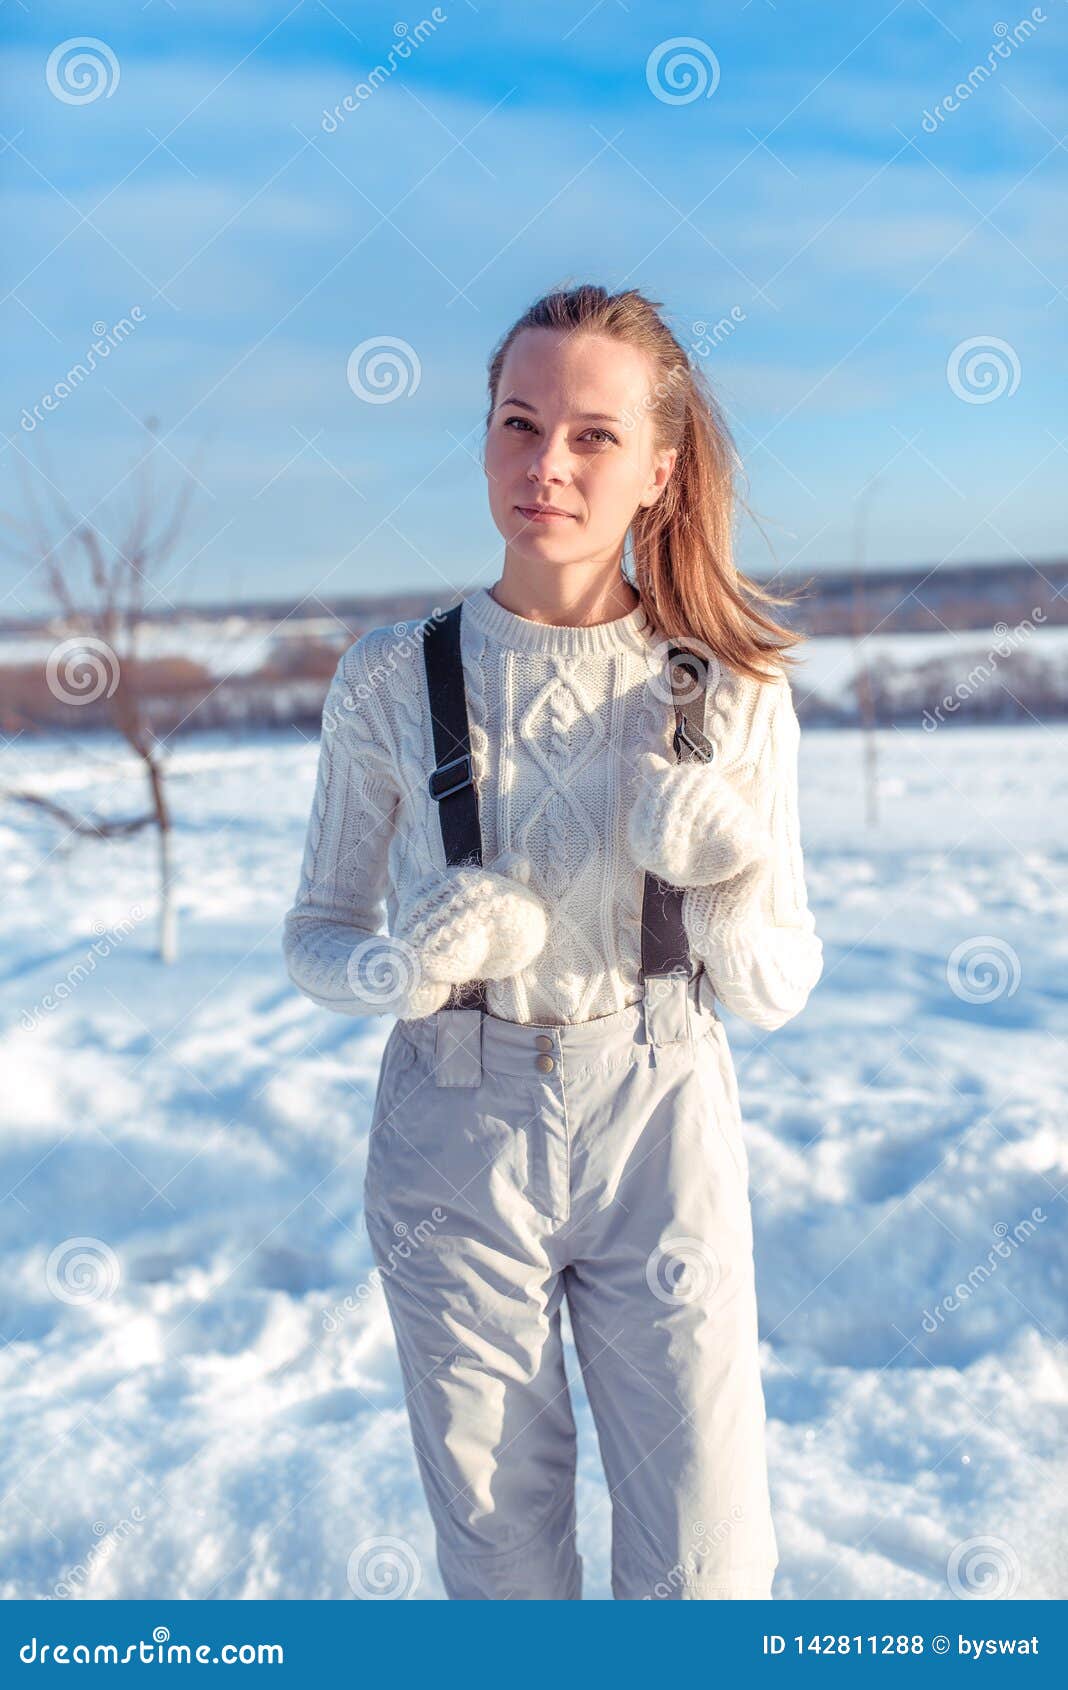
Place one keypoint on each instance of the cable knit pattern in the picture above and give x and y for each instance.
(560, 719)
(754, 932)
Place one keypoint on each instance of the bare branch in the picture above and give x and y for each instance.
(81, 824)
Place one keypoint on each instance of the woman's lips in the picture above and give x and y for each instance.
(533, 514)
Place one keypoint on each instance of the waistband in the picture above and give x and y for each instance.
(462, 1042)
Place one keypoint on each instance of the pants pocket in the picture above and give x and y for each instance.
(397, 1079)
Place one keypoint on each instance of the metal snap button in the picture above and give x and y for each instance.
(544, 1064)
(544, 1041)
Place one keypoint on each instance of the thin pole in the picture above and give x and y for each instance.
(862, 672)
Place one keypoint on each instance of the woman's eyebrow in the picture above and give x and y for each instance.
(583, 416)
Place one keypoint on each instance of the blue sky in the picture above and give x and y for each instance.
(515, 149)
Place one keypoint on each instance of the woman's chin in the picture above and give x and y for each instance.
(543, 540)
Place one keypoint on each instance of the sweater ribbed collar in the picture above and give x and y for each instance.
(518, 633)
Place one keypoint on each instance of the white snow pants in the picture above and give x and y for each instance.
(512, 1165)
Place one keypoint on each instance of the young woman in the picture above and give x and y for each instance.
(557, 1111)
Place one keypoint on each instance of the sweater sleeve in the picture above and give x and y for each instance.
(340, 900)
(755, 933)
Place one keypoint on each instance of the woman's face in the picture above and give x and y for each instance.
(573, 429)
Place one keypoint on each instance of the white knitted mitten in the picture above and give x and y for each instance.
(469, 923)
(688, 825)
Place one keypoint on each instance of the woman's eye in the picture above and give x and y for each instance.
(603, 432)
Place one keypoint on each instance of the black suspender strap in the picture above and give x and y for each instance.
(452, 784)
(665, 946)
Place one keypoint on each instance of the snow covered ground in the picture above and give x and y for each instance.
(183, 1152)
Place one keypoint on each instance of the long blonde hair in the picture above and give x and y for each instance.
(684, 567)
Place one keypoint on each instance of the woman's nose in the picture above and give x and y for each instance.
(549, 461)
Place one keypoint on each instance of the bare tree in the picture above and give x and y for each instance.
(98, 584)
(859, 622)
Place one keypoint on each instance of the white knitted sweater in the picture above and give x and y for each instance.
(558, 717)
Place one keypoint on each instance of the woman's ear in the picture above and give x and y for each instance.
(663, 464)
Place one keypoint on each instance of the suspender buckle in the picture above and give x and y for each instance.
(698, 743)
(442, 786)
